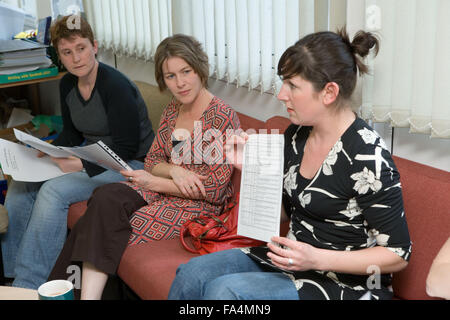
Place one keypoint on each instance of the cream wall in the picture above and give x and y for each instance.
(11, 2)
(416, 147)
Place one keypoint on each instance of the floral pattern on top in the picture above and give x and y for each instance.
(353, 202)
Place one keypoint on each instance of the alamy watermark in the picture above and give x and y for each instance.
(74, 20)
(374, 280)
(75, 276)
(214, 147)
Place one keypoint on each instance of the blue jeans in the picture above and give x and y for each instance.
(38, 222)
(229, 275)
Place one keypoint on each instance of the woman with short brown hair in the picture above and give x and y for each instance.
(97, 103)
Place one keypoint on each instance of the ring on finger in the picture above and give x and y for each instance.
(290, 262)
(130, 179)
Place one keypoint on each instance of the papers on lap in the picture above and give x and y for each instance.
(22, 162)
(261, 187)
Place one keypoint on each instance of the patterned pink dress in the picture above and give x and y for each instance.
(164, 215)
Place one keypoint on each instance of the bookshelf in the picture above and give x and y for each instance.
(31, 82)
(31, 90)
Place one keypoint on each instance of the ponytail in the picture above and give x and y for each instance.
(361, 45)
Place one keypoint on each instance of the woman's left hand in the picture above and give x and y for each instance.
(141, 178)
(298, 256)
(189, 183)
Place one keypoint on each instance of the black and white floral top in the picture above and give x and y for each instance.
(353, 202)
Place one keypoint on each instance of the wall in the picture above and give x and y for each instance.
(416, 147)
(11, 2)
(44, 8)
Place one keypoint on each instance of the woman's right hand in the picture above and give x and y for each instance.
(142, 179)
(189, 183)
(234, 149)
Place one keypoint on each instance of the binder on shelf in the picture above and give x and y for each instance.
(22, 60)
(43, 35)
(29, 75)
(9, 46)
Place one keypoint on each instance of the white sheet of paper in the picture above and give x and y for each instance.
(22, 164)
(261, 187)
(95, 153)
(41, 145)
(18, 117)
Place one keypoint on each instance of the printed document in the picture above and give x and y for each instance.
(23, 165)
(261, 187)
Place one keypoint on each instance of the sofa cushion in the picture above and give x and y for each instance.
(277, 123)
(248, 123)
(426, 199)
(149, 268)
(76, 210)
(155, 100)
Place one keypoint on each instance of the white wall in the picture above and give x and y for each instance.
(14, 3)
(44, 8)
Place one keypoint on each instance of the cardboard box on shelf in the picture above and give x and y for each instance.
(8, 134)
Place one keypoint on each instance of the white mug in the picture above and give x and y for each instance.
(56, 290)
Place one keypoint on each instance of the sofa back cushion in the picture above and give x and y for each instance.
(248, 123)
(277, 123)
(155, 100)
(426, 199)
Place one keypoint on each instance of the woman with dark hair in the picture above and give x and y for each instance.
(185, 173)
(341, 192)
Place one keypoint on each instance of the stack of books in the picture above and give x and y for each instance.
(22, 60)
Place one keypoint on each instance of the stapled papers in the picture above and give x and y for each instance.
(22, 163)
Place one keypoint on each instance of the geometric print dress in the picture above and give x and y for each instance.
(353, 202)
(203, 153)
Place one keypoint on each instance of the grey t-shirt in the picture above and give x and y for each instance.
(115, 113)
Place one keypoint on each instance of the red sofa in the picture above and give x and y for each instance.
(149, 269)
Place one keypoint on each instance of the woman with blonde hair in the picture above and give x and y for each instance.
(182, 177)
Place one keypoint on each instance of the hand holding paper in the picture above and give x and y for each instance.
(23, 164)
(43, 146)
(68, 165)
(261, 187)
(27, 164)
(234, 149)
